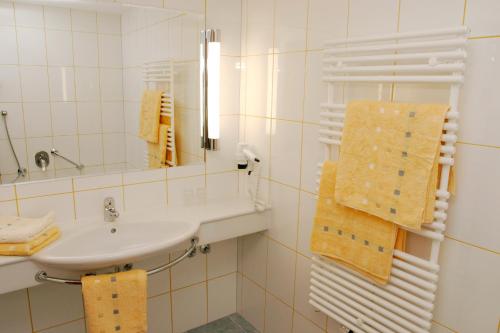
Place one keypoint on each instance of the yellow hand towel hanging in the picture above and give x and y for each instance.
(358, 240)
(150, 115)
(116, 302)
(388, 164)
(157, 152)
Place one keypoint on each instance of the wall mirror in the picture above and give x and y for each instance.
(73, 75)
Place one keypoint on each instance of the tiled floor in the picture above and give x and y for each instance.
(231, 324)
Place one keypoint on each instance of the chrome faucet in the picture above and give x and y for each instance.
(110, 212)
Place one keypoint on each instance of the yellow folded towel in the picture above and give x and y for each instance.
(116, 302)
(401, 240)
(150, 115)
(388, 164)
(43, 239)
(157, 152)
(358, 240)
(14, 229)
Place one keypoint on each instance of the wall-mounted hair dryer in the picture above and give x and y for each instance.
(248, 160)
(246, 157)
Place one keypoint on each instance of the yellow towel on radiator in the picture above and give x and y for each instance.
(157, 152)
(388, 164)
(150, 115)
(42, 240)
(358, 240)
(116, 302)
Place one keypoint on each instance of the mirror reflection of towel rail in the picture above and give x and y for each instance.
(55, 152)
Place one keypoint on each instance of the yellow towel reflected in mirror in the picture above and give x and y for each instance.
(157, 152)
(150, 115)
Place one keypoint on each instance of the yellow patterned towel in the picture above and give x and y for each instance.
(116, 302)
(388, 164)
(150, 115)
(45, 238)
(157, 152)
(357, 240)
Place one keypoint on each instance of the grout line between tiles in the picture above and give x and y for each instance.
(471, 244)
(484, 37)
(299, 201)
(478, 145)
(17, 201)
(199, 282)
(142, 183)
(444, 326)
(206, 255)
(30, 312)
(159, 294)
(73, 197)
(464, 16)
(171, 297)
(58, 325)
(51, 106)
(266, 291)
(265, 285)
(43, 195)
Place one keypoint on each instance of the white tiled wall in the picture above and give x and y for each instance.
(281, 92)
(61, 82)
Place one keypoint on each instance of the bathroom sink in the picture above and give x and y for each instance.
(104, 244)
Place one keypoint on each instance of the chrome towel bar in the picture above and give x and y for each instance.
(42, 276)
(55, 152)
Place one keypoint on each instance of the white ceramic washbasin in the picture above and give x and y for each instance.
(98, 245)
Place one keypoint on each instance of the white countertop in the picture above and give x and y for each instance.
(216, 220)
(200, 212)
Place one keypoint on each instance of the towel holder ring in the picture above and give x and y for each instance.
(42, 276)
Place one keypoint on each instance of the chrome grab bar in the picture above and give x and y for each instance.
(55, 152)
(21, 172)
(42, 276)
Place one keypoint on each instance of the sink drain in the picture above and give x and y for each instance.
(113, 230)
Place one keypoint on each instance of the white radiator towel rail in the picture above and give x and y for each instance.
(406, 303)
(160, 75)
